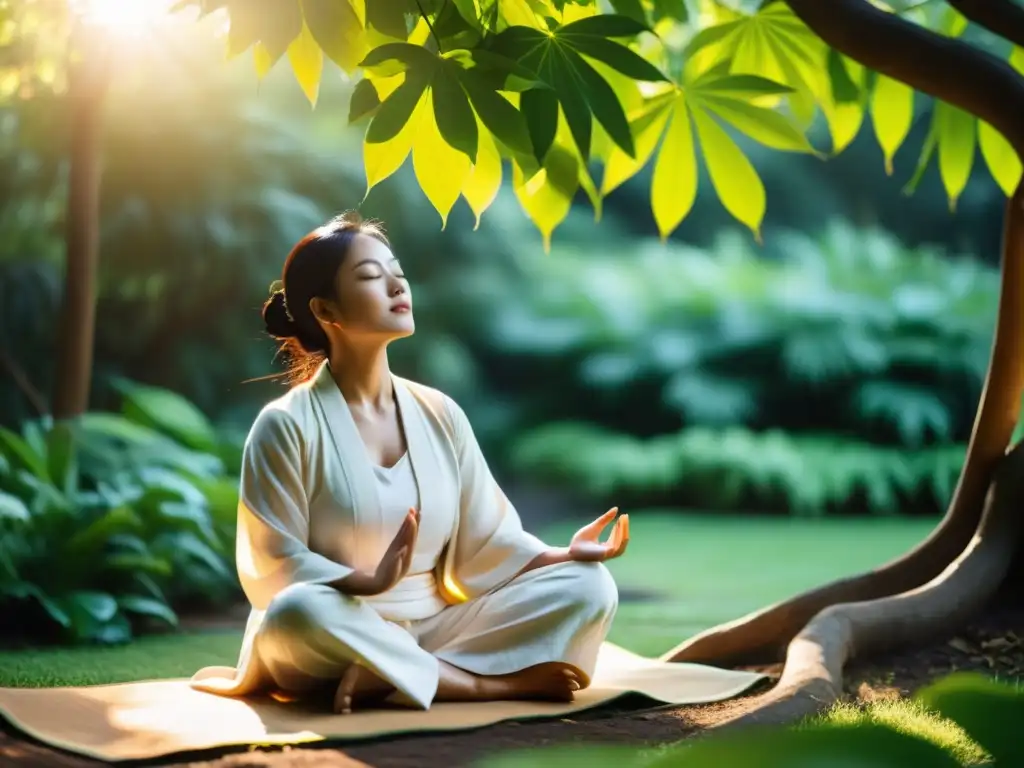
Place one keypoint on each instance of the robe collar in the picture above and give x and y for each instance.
(354, 457)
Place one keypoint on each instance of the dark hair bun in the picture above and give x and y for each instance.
(279, 323)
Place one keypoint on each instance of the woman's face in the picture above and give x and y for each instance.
(373, 295)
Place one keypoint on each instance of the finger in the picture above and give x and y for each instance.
(601, 523)
(616, 537)
(625, 536)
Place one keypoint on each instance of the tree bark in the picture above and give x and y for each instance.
(972, 80)
(87, 80)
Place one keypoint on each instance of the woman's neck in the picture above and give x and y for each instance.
(363, 376)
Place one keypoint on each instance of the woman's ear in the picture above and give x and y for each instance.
(323, 311)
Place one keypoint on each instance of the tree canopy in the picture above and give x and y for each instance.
(581, 95)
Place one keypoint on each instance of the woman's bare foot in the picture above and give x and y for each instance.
(360, 687)
(552, 681)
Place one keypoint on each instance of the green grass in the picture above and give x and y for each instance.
(711, 569)
(705, 570)
(912, 718)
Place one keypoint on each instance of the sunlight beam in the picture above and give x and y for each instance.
(122, 18)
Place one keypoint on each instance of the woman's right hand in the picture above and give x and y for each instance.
(392, 567)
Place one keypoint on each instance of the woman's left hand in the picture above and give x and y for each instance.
(586, 545)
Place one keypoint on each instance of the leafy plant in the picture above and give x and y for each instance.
(737, 469)
(850, 338)
(115, 524)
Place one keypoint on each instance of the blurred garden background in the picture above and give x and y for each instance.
(794, 409)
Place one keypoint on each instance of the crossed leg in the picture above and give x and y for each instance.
(536, 637)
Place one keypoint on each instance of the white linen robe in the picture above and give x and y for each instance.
(309, 513)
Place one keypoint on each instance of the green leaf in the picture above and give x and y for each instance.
(484, 181)
(709, 36)
(671, 9)
(307, 60)
(504, 121)
(384, 158)
(647, 127)
(337, 29)
(547, 195)
(52, 607)
(397, 108)
(169, 413)
(766, 126)
(604, 103)
(990, 712)
(582, 93)
(191, 545)
(632, 9)
(718, 81)
(22, 456)
(892, 112)
(1003, 163)
(401, 57)
(602, 25)
(13, 508)
(566, 84)
(955, 133)
(733, 177)
(364, 101)
(539, 107)
(146, 606)
(99, 606)
(452, 113)
(674, 186)
(440, 169)
(618, 57)
(136, 564)
(94, 537)
(844, 90)
(927, 150)
(470, 11)
(388, 17)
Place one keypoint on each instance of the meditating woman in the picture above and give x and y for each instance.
(380, 557)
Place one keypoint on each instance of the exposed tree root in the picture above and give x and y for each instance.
(764, 635)
(813, 674)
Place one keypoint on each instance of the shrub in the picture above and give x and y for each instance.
(735, 468)
(117, 521)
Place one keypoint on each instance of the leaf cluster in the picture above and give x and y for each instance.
(559, 88)
(110, 525)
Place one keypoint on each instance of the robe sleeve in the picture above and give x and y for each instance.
(271, 546)
(491, 545)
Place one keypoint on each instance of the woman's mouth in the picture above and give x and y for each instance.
(401, 308)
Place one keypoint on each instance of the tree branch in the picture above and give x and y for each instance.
(1001, 17)
(943, 67)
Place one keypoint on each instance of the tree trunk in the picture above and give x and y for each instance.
(87, 80)
(973, 553)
